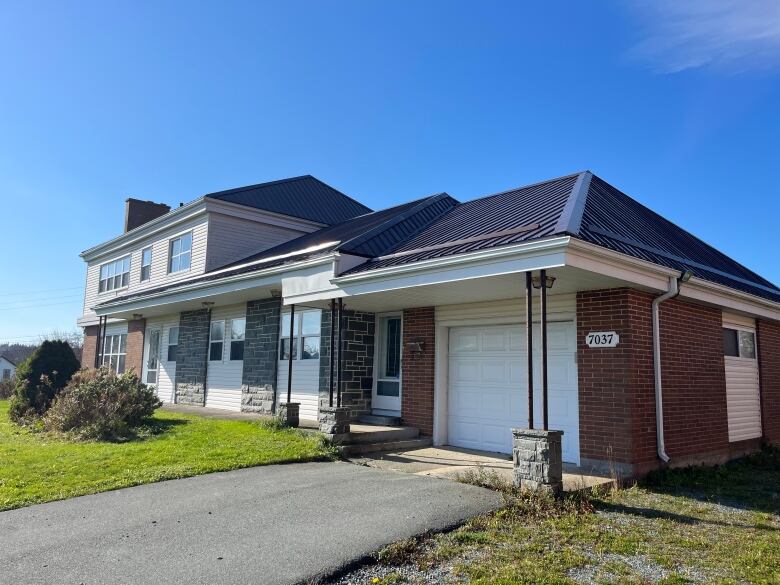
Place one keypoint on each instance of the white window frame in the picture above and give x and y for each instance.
(169, 345)
(151, 258)
(111, 279)
(739, 330)
(213, 341)
(171, 256)
(156, 355)
(297, 345)
(119, 351)
(231, 340)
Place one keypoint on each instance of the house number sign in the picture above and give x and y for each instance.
(602, 339)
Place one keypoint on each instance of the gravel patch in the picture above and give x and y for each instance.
(639, 565)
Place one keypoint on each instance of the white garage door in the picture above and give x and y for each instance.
(487, 386)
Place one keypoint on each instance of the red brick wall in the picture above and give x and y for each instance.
(616, 386)
(135, 345)
(90, 347)
(769, 368)
(418, 369)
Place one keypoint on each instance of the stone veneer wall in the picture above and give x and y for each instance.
(260, 355)
(357, 375)
(191, 357)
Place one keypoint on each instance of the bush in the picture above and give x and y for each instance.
(40, 378)
(6, 389)
(98, 404)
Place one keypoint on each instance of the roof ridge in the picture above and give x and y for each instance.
(396, 219)
(524, 187)
(570, 219)
(337, 191)
(264, 184)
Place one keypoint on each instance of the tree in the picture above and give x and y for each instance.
(41, 377)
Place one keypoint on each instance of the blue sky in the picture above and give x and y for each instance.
(674, 103)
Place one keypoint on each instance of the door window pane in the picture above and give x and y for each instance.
(390, 341)
(388, 388)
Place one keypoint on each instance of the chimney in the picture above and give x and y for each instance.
(139, 212)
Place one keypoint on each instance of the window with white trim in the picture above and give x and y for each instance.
(6, 374)
(115, 352)
(173, 343)
(237, 334)
(739, 343)
(180, 253)
(306, 336)
(216, 341)
(146, 264)
(115, 274)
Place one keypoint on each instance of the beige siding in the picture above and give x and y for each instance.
(559, 308)
(233, 238)
(743, 396)
(223, 379)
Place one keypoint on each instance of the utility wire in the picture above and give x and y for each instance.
(33, 292)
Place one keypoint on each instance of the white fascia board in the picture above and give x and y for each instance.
(196, 290)
(728, 298)
(164, 222)
(307, 284)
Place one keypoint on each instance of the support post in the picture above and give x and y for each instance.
(529, 337)
(332, 350)
(341, 353)
(543, 340)
(98, 347)
(290, 355)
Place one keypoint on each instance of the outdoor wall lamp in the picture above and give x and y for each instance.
(207, 304)
(276, 293)
(548, 282)
(415, 347)
(686, 276)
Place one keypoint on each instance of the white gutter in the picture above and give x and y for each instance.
(674, 290)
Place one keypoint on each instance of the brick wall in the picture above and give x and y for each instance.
(135, 346)
(769, 367)
(357, 374)
(260, 355)
(90, 347)
(191, 357)
(418, 369)
(616, 386)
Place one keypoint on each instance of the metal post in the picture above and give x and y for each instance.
(98, 341)
(529, 345)
(543, 339)
(332, 349)
(341, 353)
(290, 355)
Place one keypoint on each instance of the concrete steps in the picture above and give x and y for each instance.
(354, 449)
(380, 419)
(360, 433)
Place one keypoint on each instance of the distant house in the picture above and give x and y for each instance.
(7, 368)
(659, 348)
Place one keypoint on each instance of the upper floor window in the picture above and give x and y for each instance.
(146, 264)
(739, 343)
(115, 274)
(180, 253)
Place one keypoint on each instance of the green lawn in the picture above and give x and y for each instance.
(38, 467)
(718, 525)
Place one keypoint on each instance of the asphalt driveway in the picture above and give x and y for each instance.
(274, 524)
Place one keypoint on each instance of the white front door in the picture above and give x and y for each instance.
(386, 396)
(152, 356)
(487, 386)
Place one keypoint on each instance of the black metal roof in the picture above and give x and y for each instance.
(306, 197)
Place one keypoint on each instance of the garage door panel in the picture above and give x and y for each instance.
(487, 396)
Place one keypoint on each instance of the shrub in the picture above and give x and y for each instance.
(40, 378)
(6, 389)
(98, 404)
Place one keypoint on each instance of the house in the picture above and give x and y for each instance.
(658, 348)
(7, 368)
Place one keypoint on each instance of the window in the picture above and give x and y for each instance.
(114, 352)
(153, 356)
(6, 373)
(306, 336)
(115, 274)
(216, 341)
(173, 343)
(180, 253)
(237, 333)
(146, 264)
(739, 343)
(389, 376)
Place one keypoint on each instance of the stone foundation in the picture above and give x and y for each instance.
(538, 461)
(289, 412)
(334, 422)
(257, 398)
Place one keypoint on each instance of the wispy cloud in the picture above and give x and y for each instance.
(735, 35)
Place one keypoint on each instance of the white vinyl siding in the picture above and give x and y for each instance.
(233, 238)
(743, 395)
(223, 379)
(166, 374)
(306, 372)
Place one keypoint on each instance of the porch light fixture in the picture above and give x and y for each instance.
(415, 347)
(276, 293)
(686, 276)
(548, 282)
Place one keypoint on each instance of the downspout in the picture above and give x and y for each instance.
(674, 290)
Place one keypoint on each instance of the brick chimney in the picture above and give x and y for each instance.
(139, 212)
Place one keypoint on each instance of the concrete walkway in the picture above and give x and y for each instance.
(275, 524)
(223, 414)
(451, 462)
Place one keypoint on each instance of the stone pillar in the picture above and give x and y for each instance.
(261, 357)
(334, 422)
(191, 356)
(537, 458)
(289, 412)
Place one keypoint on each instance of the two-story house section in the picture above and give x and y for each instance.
(161, 247)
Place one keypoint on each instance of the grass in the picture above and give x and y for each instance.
(707, 525)
(39, 467)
